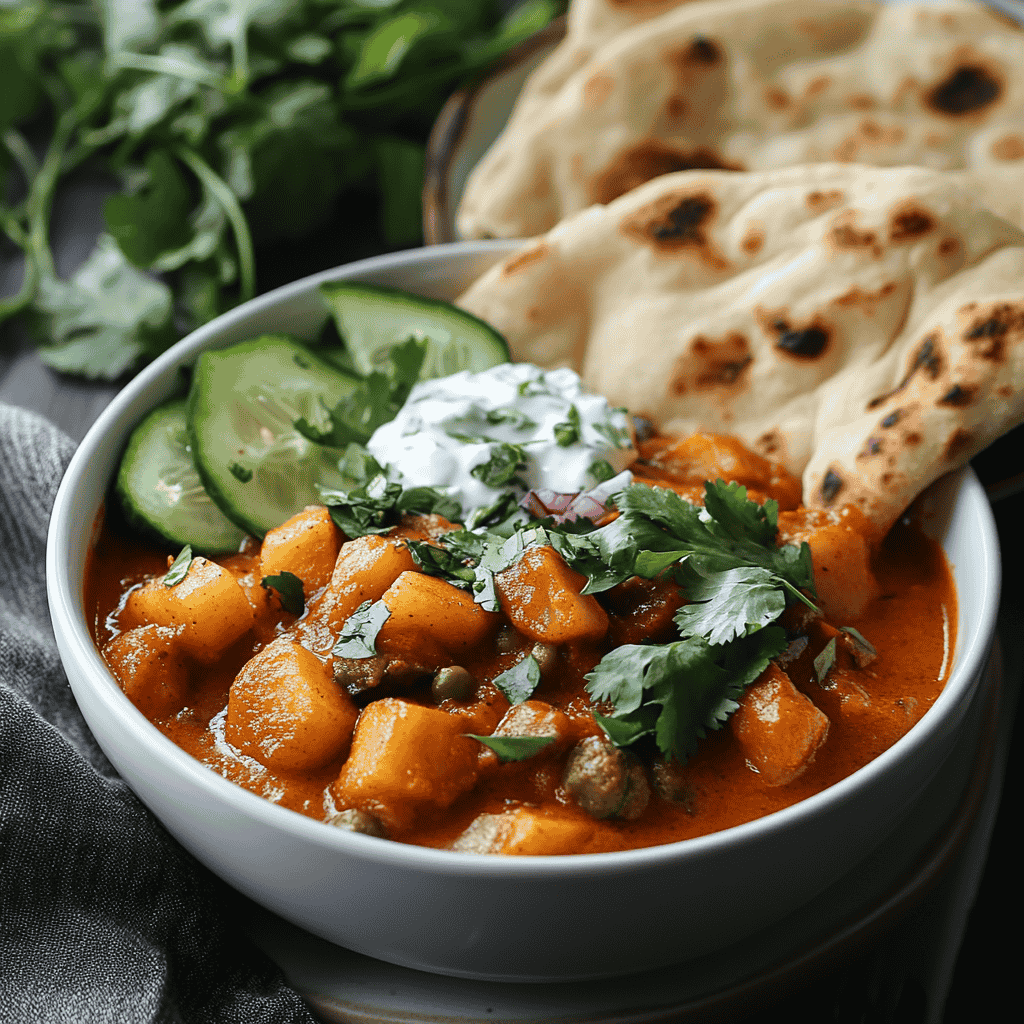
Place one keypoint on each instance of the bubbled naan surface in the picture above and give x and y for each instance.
(755, 85)
(862, 325)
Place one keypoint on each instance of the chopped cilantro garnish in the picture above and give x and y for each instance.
(375, 503)
(500, 469)
(179, 567)
(288, 587)
(568, 432)
(359, 634)
(519, 682)
(513, 748)
(373, 403)
(601, 470)
(824, 662)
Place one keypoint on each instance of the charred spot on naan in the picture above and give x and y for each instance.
(971, 86)
(868, 133)
(988, 333)
(1008, 148)
(806, 341)
(959, 397)
(651, 159)
(927, 360)
(909, 222)
(710, 364)
(823, 200)
(678, 223)
(831, 486)
(845, 234)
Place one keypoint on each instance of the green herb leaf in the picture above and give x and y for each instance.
(513, 748)
(373, 403)
(729, 604)
(680, 690)
(359, 634)
(288, 587)
(179, 567)
(568, 432)
(518, 682)
(105, 319)
(239, 472)
(500, 469)
(825, 661)
(601, 470)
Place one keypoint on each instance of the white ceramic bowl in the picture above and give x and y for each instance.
(494, 917)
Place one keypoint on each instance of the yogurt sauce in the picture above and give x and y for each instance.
(475, 436)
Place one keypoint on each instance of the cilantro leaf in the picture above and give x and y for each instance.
(825, 660)
(359, 634)
(568, 432)
(506, 460)
(681, 690)
(729, 604)
(374, 503)
(513, 748)
(518, 682)
(179, 567)
(289, 589)
(375, 401)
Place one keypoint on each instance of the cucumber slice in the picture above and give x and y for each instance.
(159, 489)
(244, 401)
(371, 319)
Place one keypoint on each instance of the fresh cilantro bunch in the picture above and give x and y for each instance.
(738, 583)
(225, 126)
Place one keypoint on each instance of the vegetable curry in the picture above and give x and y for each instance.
(357, 681)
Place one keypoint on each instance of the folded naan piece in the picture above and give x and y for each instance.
(864, 326)
(755, 85)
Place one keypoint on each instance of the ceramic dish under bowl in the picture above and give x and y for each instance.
(499, 918)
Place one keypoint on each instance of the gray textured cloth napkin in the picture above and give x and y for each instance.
(103, 917)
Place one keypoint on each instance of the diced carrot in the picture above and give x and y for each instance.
(306, 545)
(286, 711)
(406, 758)
(148, 663)
(541, 596)
(209, 605)
(841, 555)
(778, 728)
(425, 608)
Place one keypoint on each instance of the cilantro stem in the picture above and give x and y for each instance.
(17, 145)
(221, 191)
(160, 65)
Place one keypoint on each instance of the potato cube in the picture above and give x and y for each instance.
(406, 758)
(541, 596)
(209, 605)
(151, 668)
(778, 728)
(426, 609)
(286, 711)
(307, 546)
(527, 831)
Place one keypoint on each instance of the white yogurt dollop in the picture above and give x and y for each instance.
(475, 436)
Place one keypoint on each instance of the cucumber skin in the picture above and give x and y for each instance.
(398, 297)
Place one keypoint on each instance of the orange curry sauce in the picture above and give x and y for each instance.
(909, 617)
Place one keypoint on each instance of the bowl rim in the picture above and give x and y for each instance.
(69, 622)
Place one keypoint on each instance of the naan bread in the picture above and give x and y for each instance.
(755, 85)
(863, 326)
